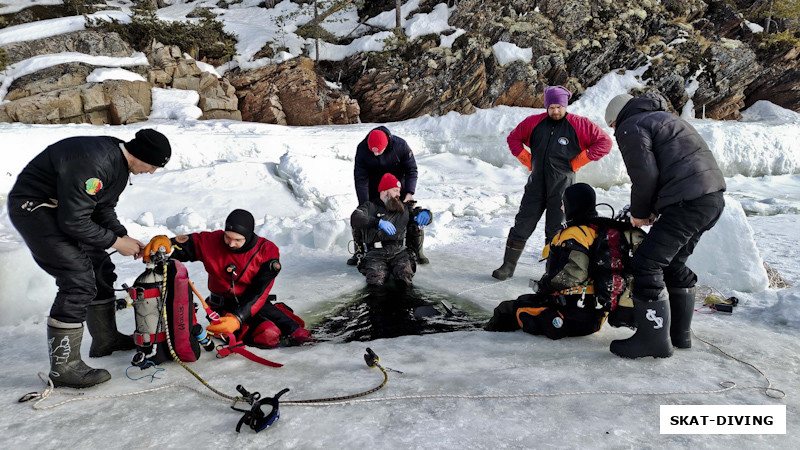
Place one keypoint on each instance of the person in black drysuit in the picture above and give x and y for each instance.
(63, 206)
(565, 300)
(383, 223)
(677, 188)
(560, 144)
(380, 153)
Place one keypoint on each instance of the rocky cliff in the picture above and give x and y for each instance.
(695, 50)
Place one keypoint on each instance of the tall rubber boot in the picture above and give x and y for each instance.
(415, 236)
(66, 366)
(681, 305)
(358, 239)
(102, 324)
(652, 330)
(513, 252)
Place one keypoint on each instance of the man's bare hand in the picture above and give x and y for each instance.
(128, 246)
(644, 222)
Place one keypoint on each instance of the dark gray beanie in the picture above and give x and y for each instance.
(615, 106)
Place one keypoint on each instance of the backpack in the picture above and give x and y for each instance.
(610, 256)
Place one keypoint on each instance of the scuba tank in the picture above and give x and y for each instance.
(152, 294)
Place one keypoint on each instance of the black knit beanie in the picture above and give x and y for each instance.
(579, 202)
(242, 222)
(151, 147)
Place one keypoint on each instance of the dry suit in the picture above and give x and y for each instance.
(240, 282)
(63, 206)
(565, 302)
(386, 254)
(558, 148)
(397, 159)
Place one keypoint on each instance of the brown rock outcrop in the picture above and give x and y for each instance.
(113, 102)
(292, 93)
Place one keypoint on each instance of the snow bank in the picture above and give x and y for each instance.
(727, 257)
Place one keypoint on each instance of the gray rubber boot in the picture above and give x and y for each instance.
(66, 366)
(513, 252)
(681, 305)
(102, 324)
(652, 330)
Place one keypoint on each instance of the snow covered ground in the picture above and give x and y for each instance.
(298, 184)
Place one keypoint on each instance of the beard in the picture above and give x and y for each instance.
(395, 205)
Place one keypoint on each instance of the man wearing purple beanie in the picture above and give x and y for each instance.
(560, 144)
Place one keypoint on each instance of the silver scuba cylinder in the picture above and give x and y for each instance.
(148, 307)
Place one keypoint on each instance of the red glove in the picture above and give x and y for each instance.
(525, 158)
(227, 324)
(579, 161)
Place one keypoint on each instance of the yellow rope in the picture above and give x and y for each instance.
(237, 398)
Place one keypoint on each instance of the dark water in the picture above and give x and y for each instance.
(387, 312)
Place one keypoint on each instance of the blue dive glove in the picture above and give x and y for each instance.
(387, 227)
(423, 218)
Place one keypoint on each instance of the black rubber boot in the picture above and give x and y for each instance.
(513, 252)
(652, 330)
(102, 324)
(681, 305)
(66, 366)
(415, 236)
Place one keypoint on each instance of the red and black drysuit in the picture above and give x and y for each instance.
(558, 148)
(240, 281)
(63, 206)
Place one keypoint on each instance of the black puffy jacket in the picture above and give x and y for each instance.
(667, 160)
(86, 176)
(397, 159)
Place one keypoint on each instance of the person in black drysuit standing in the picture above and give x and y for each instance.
(677, 188)
(63, 206)
(380, 153)
(383, 223)
(560, 144)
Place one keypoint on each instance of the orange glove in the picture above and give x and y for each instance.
(227, 324)
(525, 158)
(155, 245)
(579, 161)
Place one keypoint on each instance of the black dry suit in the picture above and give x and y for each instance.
(63, 206)
(564, 304)
(385, 253)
